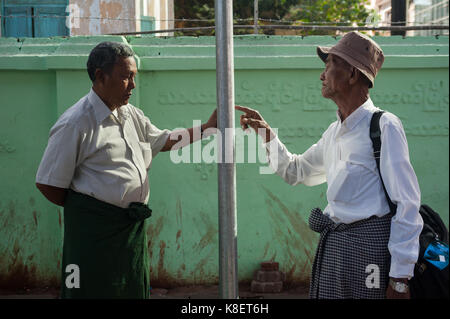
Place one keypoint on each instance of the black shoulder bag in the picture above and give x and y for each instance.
(431, 270)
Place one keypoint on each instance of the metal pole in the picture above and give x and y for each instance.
(255, 17)
(228, 284)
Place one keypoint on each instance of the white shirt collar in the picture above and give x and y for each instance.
(101, 110)
(356, 116)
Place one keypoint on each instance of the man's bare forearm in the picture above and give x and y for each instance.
(176, 136)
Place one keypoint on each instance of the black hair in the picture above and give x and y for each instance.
(105, 55)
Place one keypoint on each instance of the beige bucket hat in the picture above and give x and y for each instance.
(359, 51)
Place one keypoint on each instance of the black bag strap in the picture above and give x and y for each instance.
(375, 136)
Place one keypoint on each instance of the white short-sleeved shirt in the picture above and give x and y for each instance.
(101, 153)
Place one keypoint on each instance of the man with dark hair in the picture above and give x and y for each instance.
(105, 55)
(365, 250)
(95, 166)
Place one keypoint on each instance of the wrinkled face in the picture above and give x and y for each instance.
(335, 78)
(119, 83)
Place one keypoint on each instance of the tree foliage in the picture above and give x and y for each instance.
(242, 12)
(194, 9)
(242, 9)
(344, 12)
(338, 13)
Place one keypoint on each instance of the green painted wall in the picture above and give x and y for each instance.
(40, 78)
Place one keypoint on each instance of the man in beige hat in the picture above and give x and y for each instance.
(366, 249)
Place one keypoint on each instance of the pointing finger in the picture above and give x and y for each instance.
(245, 109)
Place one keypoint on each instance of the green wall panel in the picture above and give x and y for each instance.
(30, 248)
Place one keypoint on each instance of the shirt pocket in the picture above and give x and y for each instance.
(347, 182)
(146, 153)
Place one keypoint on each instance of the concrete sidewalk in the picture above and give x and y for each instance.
(212, 292)
(185, 292)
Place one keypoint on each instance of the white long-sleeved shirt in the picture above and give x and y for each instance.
(343, 158)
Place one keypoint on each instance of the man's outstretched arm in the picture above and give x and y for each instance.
(176, 136)
(306, 168)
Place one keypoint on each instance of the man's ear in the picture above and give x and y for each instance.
(99, 76)
(355, 76)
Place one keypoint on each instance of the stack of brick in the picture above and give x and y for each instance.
(268, 279)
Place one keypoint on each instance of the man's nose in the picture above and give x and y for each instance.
(132, 84)
(322, 76)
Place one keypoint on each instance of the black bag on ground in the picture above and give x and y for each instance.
(431, 270)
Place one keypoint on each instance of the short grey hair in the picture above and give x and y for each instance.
(105, 55)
